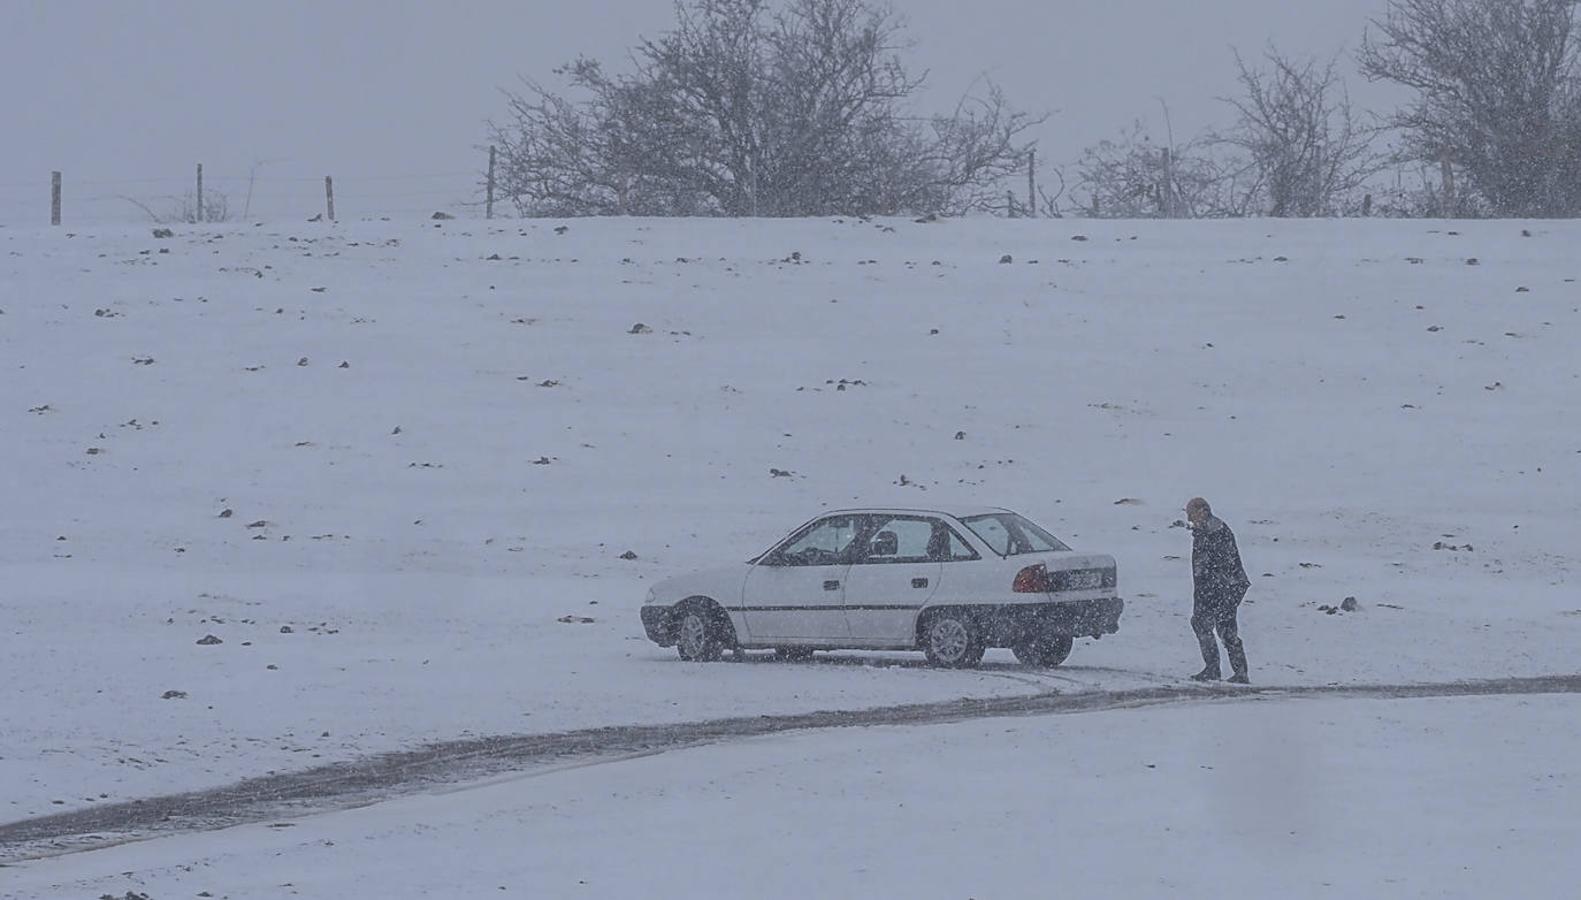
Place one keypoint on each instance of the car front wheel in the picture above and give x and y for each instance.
(952, 640)
(697, 635)
(1047, 650)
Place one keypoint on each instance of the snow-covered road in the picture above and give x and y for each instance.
(1467, 797)
(438, 767)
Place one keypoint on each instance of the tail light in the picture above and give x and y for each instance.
(1032, 580)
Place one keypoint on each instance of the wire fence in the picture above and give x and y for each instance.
(228, 196)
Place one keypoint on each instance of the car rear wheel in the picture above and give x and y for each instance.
(698, 635)
(1045, 650)
(952, 640)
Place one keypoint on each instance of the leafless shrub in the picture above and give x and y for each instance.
(183, 210)
(1296, 125)
(1498, 96)
(1134, 177)
(745, 109)
(1417, 191)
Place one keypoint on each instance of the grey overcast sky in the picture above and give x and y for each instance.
(390, 96)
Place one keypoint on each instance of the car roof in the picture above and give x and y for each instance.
(958, 512)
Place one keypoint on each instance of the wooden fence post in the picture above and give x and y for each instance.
(488, 208)
(329, 198)
(1169, 185)
(1032, 185)
(54, 198)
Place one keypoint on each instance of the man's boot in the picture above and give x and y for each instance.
(1237, 654)
(1203, 626)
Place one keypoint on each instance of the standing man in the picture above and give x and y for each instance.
(1219, 584)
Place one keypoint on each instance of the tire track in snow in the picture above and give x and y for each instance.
(449, 764)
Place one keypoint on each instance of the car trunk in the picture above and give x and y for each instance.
(1073, 572)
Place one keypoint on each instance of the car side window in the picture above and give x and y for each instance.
(1033, 542)
(993, 532)
(899, 539)
(956, 548)
(827, 543)
(1012, 535)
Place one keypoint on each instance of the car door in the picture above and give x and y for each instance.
(796, 591)
(896, 570)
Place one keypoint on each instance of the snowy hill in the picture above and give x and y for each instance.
(380, 461)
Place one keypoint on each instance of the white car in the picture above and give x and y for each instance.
(951, 584)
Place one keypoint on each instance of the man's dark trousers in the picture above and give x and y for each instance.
(1206, 618)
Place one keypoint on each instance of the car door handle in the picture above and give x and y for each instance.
(831, 585)
(919, 582)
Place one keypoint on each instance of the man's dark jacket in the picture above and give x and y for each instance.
(1218, 577)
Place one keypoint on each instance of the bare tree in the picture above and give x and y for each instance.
(599, 157)
(964, 158)
(1498, 95)
(1296, 125)
(744, 109)
(1052, 205)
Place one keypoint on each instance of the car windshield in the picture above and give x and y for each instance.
(1008, 534)
(824, 543)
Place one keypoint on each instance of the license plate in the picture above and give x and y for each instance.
(1084, 581)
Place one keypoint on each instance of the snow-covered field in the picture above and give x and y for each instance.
(435, 440)
(1428, 798)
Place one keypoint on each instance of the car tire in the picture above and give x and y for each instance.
(793, 654)
(952, 640)
(700, 635)
(1047, 650)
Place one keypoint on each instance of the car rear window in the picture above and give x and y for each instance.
(1008, 534)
